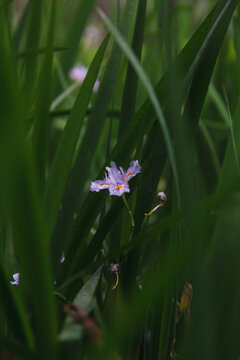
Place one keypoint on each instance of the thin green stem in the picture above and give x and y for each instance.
(146, 217)
(153, 210)
(129, 211)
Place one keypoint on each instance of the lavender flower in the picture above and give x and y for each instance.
(16, 279)
(78, 73)
(117, 180)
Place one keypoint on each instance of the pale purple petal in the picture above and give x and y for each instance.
(114, 175)
(62, 258)
(16, 279)
(100, 185)
(133, 170)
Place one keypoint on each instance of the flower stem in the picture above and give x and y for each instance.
(154, 209)
(129, 211)
(146, 217)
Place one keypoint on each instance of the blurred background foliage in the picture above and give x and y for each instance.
(157, 82)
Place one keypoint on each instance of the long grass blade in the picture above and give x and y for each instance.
(43, 94)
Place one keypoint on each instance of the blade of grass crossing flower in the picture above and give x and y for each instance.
(151, 93)
(43, 94)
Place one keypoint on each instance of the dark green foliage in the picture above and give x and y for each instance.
(176, 293)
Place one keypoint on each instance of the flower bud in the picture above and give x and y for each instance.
(114, 267)
(162, 197)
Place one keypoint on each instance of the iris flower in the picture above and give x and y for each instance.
(116, 180)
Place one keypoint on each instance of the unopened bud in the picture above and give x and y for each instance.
(162, 197)
(114, 267)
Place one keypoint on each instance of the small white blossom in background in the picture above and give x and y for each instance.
(78, 73)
